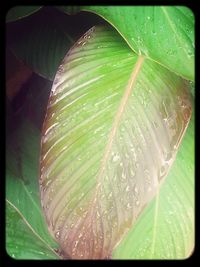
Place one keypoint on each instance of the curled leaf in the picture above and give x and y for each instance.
(113, 125)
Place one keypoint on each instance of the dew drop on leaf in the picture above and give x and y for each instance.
(136, 189)
(57, 234)
(163, 171)
(137, 202)
(115, 158)
(127, 188)
(128, 206)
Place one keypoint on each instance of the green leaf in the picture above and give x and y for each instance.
(164, 34)
(19, 12)
(46, 37)
(21, 241)
(113, 126)
(42, 43)
(22, 191)
(166, 228)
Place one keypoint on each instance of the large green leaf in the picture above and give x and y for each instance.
(19, 12)
(162, 33)
(21, 241)
(22, 193)
(46, 37)
(113, 126)
(166, 228)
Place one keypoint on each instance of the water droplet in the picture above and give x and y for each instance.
(149, 189)
(167, 156)
(128, 206)
(81, 195)
(163, 171)
(72, 225)
(136, 189)
(114, 224)
(127, 188)
(132, 173)
(139, 149)
(122, 129)
(148, 18)
(98, 214)
(76, 243)
(80, 235)
(137, 203)
(171, 52)
(115, 158)
(57, 234)
(127, 155)
(155, 124)
(186, 114)
(105, 213)
(123, 176)
(154, 32)
(110, 195)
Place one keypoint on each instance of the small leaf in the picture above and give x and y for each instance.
(113, 125)
(19, 12)
(21, 241)
(22, 190)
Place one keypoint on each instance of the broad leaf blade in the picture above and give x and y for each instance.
(164, 34)
(19, 12)
(170, 234)
(113, 126)
(21, 241)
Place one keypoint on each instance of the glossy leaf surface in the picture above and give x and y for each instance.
(164, 34)
(22, 194)
(166, 228)
(19, 12)
(21, 241)
(113, 125)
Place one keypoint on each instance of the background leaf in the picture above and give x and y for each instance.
(22, 160)
(19, 12)
(46, 37)
(21, 241)
(164, 34)
(172, 231)
(113, 125)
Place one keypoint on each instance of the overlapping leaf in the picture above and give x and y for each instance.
(162, 33)
(165, 229)
(45, 38)
(19, 12)
(113, 126)
(22, 194)
(21, 241)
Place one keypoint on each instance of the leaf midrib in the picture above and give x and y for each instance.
(113, 131)
(118, 115)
